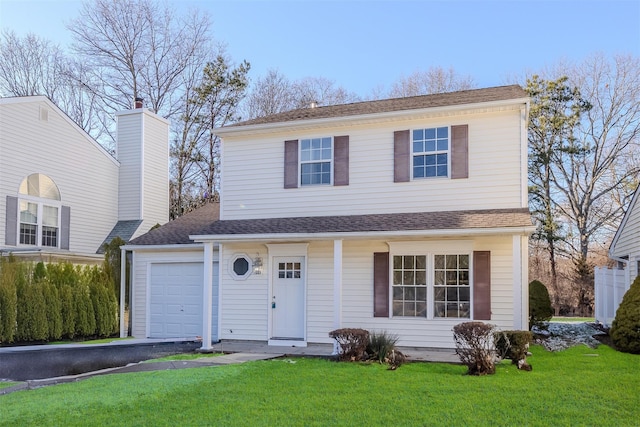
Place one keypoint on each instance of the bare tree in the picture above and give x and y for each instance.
(274, 93)
(271, 94)
(434, 80)
(592, 178)
(136, 49)
(321, 91)
(30, 65)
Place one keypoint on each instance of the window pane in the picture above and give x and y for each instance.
(418, 147)
(50, 236)
(464, 261)
(464, 293)
(410, 308)
(438, 293)
(451, 262)
(430, 146)
(452, 309)
(465, 310)
(305, 144)
(418, 134)
(421, 262)
(28, 212)
(442, 145)
(421, 309)
(397, 308)
(315, 144)
(421, 293)
(439, 278)
(398, 293)
(408, 278)
(439, 309)
(397, 262)
(421, 277)
(430, 133)
(438, 262)
(408, 262)
(28, 234)
(443, 132)
(452, 293)
(452, 278)
(50, 216)
(409, 293)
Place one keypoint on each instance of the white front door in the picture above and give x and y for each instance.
(287, 299)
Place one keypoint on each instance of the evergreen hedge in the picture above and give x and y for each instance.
(41, 302)
(540, 310)
(625, 329)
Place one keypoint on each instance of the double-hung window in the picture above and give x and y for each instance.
(430, 151)
(431, 285)
(316, 156)
(39, 212)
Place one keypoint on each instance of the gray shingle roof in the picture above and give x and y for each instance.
(177, 232)
(203, 222)
(122, 229)
(390, 105)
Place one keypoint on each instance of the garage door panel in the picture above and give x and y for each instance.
(176, 300)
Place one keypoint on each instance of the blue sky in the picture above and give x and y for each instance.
(362, 45)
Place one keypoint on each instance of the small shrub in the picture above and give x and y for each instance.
(382, 347)
(54, 309)
(352, 341)
(474, 346)
(540, 310)
(8, 299)
(514, 345)
(625, 329)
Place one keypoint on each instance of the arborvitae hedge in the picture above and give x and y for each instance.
(625, 329)
(540, 310)
(41, 303)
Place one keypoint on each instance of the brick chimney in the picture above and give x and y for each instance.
(138, 102)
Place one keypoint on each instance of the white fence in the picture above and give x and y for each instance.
(610, 287)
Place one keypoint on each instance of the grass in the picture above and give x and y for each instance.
(5, 384)
(579, 386)
(184, 356)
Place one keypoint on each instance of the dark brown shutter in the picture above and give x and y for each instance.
(460, 151)
(341, 160)
(482, 285)
(291, 164)
(401, 156)
(11, 222)
(381, 284)
(65, 222)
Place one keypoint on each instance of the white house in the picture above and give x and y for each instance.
(612, 284)
(405, 215)
(62, 195)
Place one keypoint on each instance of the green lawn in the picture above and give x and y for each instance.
(573, 319)
(579, 386)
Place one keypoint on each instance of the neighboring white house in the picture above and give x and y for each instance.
(612, 284)
(62, 195)
(406, 215)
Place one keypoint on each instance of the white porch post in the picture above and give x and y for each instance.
(207, 297)
(123, 286)
(337, 288)
(520, 275)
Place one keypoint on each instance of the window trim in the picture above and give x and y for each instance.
(430, 249)
(233, 259)
(330, 160)
(40, 203)
(448, 151)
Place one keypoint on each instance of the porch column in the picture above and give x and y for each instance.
(520, 277)
(207, 297)
(123, 287)
(337, 288)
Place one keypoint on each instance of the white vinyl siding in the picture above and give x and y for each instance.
(245, 303)
(30, 145)
(155, 185)
(628, 243)
(129, 153)
(495, 175)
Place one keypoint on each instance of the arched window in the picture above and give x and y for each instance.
(39, 211)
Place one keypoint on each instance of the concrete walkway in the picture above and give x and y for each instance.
(234, 352)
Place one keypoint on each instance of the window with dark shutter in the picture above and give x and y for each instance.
(459, 151)
(341, 160)
(291, 164)
(482, 285)
(381, 284)
(401, 156)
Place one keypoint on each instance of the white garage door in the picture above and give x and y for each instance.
(176, 300)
